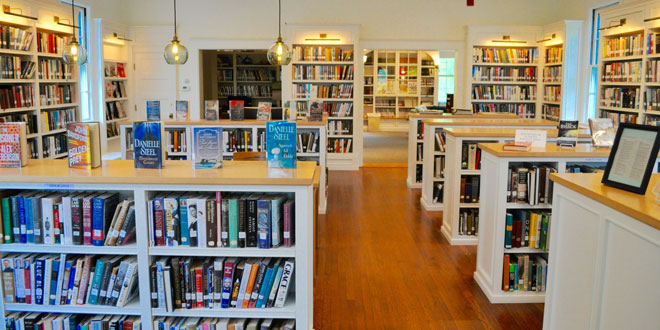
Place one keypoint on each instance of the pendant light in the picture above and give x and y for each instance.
(74, 52)
(279, 53)
(175, 52)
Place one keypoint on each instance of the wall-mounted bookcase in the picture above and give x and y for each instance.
(48, 90)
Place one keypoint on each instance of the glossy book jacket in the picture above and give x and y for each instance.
(148, 144)
(207, 147)
(281, 144)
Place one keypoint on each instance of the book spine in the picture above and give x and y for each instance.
(87, 220)
(159, 221)
(233, 223)
(283, 289)
(126, 285)
(242, 214)
(225, 223)
(183, 218)
(98, 205)
(211, 223)
(96, 283)
(263, 223)
(251, 223)
(6, 221)
(273, 290)
(76, 221)
(21, 219)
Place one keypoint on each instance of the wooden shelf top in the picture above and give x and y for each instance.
(551, 150)
(641, 207)
(502, 132)
(489, 121)
(481, 115)
(179, 172)
(227, 122)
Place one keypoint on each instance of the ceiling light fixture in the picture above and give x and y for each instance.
(74, 52)
(279, 53)
(6, 9)
(507, 39)
(175, 52)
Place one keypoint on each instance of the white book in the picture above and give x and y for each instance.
(160, 282)
(60, 280)
(222, 324)
(48, 268)
(244, 280)
(128, 283)
(239, 324)
(218, 264)
(168, 288)
(65, 218)
(73, 293)
(218, 221)
(201, 221)
(287, 276)
(47, 217)
(150, 222)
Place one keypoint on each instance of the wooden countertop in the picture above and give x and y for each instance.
(641, 207)
(227, 122)
(481, 115)
(551, 150)
(489, 121)
(502, 132)
(177, 172)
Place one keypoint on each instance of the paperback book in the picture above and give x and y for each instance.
(316, 111)
(211, 109)
(148, 144)
(182, 110)
(263, 110)
(153, 110)
(281, 144)
(207, 147)
(13, 145)
(602, 132)
(84, 145)
(236, 109)
(568, 134)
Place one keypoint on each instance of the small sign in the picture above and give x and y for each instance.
(536, 137)
(58, 186)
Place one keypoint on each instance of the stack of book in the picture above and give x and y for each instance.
(530, 184)
(621, 97)
(29, 119)
(17, 96)
(321, 53)
(50, 43)
(524, 273)
(55, 94)
(503, 92)
(527, 229)
(57, 119)
(340, 127)
(495, 73)
(40, 321)
(340, 145)
(468, 222)
(54, 145)
(552, 74)
(15, 38)
(14, 67)
(323, 72)
(54, 69)
(222, 323)
(176, 140)
(622, 71)
(504, 55)
(630, 45)
(334, 91)
(237, 139)
(470, 156)
(307, 142)
(469, 189)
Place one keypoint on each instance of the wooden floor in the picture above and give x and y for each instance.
(383, 264)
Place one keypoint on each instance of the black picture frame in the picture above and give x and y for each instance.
(650, 161)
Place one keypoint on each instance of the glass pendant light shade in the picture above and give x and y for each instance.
(74, 53)
(175, 53)
(279, 53)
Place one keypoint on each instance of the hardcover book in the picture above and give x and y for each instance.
(147, 143)
(568, 134)
(13, 145)
(281, 144)
(263, 110)
(602, 132)
(207, 147)
(120, 70)
(236, 109)
(211, 109)
(84, 145)
(182, 110)
(316, 111)
(153, 110)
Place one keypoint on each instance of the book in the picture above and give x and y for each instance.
(182, 110)
(517, 146)
(602, 132)
(84, 145)
(316, 111)
(211, 109)
(207, 147)
(567, 134)
(13, 145)
(236, 109)
(281, 144)
(153, 110)
(263, 110)
(148, 146)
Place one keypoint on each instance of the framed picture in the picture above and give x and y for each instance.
(632, 158)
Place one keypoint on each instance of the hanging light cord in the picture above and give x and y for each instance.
(279, 21)
(73, 19)
(175, 36)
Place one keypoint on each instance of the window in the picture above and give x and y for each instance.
(445, 79)
(83, 37)
(593, 63)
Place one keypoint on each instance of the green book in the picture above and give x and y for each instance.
(6, 220)
(96, 283)
(233, 222)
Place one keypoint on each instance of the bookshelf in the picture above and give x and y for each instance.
(498, 166)
(43, 75)
(120, 176)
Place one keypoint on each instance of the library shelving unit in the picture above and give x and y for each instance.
(176, 176)
(51, 89)
(615, 231)
(433, 168)
(178, 143)
(462, 157)
(496, 172)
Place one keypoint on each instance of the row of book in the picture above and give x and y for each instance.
(217, 283)
(496, 73)
(177, 140)
(322, 72)
(50, 43)
(112, 129)
(630, 45)
(468, 222)
(115, 89)
(57, 119)
(503, 92)
(306, 141)
(439, 167)
(12, 37)
(14, 67)
(221, 323)
(530, 184)
(16, 96)
(225, 75)
(254, 90)
(582, 168)
(522, 272)
(552, 93)
(228, 220)
(29, 119)
(618, 117)
(335, 91)
(50, 279)
(76, 218)
(225, 90)
(321, 53)
(46, 321)
(340, 145)
(622, 71)
(237, 139)
(438, 187)
(55, 94)
(470, 156)
(255, 75)
(340, 127)
(54, 69)
(440, 140)
(550, 112)
(653, 71)
(469, 189)
(552, 74)
(114, 110)
(652, 120)
(504, 55)
(652, 99)
(527, 229)
(527, 111)
(114, 70)
(554, 54)
(652, 43)
(621, 97)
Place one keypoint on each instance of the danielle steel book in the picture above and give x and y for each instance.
(13, 145)
(84, 145)
(182, 110)
(281, 144)
(148, 144)
(211, 109)
(153, 110)
(207, 147)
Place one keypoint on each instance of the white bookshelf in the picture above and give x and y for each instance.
(494, 207)
(120, 176)
(415, 147)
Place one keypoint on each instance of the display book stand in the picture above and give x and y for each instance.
(493, 208)
(452, 207)
(44, 138)
(433, 182)
(256, 130)
(142, 184)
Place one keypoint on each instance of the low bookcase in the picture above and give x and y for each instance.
(532, 214)
(175, 177)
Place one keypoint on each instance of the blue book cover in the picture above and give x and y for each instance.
(21, 219)
(183, 217)
(207, 147)
(263, 223)
(153, 110)
(29, 219)
(281, 144)
(53, 282)
(39, 281)
(97, 221)
(148, 144)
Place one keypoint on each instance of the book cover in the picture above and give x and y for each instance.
(120, 70)
(148, 147)
(153, 110)
(568, 134)
(182, 110)
(211, 109)
(13, 145)
(236, 109)
(602, 132)
(263, 110)
(207, 147)
(281, 144)
(316, 111)
(84, 145)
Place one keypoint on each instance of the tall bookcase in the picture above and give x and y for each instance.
(51, 93)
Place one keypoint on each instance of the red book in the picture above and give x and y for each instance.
(288, 224)
(56, 222)
(87, 220)
(517, 146)
(519, 229)
(463, 182)
(159, 221)
(199, 287)
(28, 297)
(128, 325)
